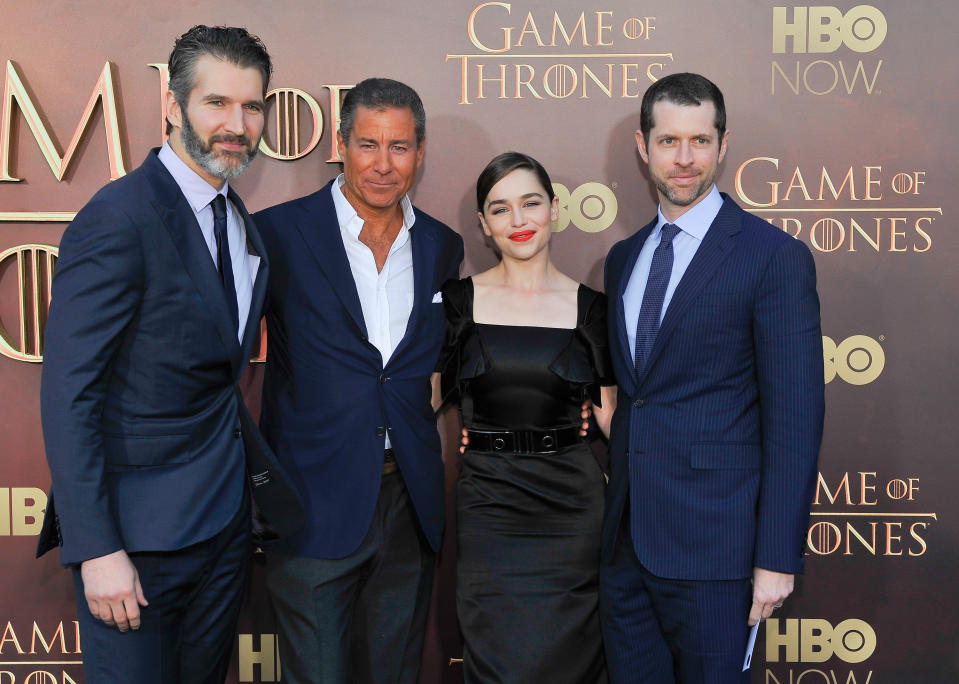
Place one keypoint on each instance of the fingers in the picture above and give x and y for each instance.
(141, 599)
(755, 613)
(131, 610)
(464, 440)
(761, 610)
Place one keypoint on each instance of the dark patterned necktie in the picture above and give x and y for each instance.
(224, 263)
(649, 313)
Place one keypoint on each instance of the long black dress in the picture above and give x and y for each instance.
(528, 524)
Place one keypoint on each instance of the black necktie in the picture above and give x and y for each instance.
(659, 271)
(224, 263)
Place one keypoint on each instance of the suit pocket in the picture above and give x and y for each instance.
(138, 452)
(725, 456)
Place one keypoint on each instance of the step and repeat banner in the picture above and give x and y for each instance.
(842, 120)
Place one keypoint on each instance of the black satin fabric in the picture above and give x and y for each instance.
(528, 525)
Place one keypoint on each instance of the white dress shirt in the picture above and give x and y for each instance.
(199, 194)
(693, 226)
(386, 297)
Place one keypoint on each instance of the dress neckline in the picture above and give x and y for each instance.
(472, 298)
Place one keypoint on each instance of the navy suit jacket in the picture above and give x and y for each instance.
(327, 397)
(715, 445)
(146, 433)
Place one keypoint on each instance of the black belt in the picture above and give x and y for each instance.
(523, 441)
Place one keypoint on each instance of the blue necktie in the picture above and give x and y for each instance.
(224, 264)
(649, 313)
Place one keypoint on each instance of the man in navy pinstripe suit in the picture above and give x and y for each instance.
(714, 329)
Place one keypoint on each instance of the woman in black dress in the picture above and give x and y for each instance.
(525, 346)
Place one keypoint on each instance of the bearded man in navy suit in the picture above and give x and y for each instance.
(355, 324)
(715, 336)
(156, 301)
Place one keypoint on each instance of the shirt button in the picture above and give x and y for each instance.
(237, 434)
(381, 432)
(638, 403)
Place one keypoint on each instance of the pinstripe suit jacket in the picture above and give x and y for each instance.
(714, 446)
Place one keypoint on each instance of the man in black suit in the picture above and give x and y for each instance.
(156, 300)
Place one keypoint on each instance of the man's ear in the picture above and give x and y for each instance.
(641, 145)
(174, 114)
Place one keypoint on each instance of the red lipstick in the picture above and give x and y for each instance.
(522, 235)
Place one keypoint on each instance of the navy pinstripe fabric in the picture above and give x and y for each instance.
(716, 440)
(714, 443)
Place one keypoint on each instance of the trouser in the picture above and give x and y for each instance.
(664, 631)
(187, 630)
(361, 618)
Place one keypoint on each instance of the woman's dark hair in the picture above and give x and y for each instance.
(504, 164)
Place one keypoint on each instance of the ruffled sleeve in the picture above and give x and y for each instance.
(462, 356)
(586, 359)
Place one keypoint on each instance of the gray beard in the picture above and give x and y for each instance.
(223, 167)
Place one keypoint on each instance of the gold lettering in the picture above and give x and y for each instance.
(915, 535)
(9, 635)
(336, 103)
(287, 116)
(866, 487)
(527, 82)
(532, 30)
(823, 487)
(893, 233)
(773, 185)
(870, 182)
(43, 642)
(26, 509)
(103, 91)
(927, 220)
(35, 265)
(501, 80)
(471, 28)
(826, 180)
(164, 71)
(856, 228)
(600, 27)
(579, 27)
(890, 537)
(608, 88)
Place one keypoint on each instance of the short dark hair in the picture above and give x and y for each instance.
(504, 164)
(379, 94)
(229, 43)
(682, 89)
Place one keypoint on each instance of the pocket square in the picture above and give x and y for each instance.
(438, 298)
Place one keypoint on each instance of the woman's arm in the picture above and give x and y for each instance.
(604, 413)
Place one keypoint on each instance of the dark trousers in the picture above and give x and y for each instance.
(665, 631)
(187, 632)
(361, 618)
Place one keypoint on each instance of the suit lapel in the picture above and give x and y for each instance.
(424, 261)
(712, 252)
(321, 232)
(181, 224)
(255, 245)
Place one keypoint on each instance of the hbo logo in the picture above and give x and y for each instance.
(858, 360)
(816, 641)
(824, 29)
(591, 207)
